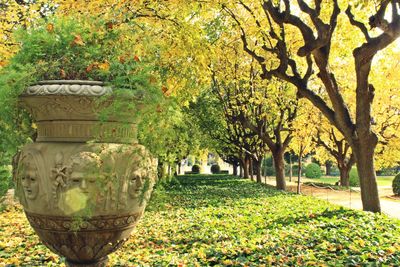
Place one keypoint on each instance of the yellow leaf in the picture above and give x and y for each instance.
(104, 66)
(78, 40)
(50, 27)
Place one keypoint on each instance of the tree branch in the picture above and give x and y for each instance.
(358, 24)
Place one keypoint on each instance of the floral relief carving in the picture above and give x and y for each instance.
(59, 174)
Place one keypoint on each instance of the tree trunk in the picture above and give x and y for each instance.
(279, 164)
(241, 170)
(344, 170)
(257, 165)
(235, 169)
(345, 164)
(246, 168)
(299, 174)
(290, 168)
(365, 165)
(328, 166)
(251, 170)
(265, 171)
(161, 170)
(344, 176)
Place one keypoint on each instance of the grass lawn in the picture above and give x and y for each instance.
(385, 180)
(224, 221)
(382, 180)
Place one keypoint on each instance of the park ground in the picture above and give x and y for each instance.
(227, 221)
(323, 188)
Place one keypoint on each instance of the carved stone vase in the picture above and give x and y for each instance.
(85, 182)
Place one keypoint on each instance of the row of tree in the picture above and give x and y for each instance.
(263, 75)
(325, 56)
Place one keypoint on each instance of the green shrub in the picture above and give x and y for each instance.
(268, 161)
(215, 169)
(267, 166)
(82, 48)
(335, 171)
(353, 177)
(195, 168)
(313, 170)
(5, 178)
(396, 185)
(295, 169)
(269, 171)
(386, 172)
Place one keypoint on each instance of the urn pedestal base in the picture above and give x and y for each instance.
(100, 263)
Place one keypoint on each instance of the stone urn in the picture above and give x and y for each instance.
(84, 182)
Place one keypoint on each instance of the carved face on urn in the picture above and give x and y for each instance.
(141, 178)
(135, 183)
(31, 180)
(29, 177)
(84, 170)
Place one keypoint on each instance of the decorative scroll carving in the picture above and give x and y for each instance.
(63, 223)
(64, 88)
(60, 107)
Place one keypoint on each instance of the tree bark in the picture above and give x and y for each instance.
(257, 165)
(344, 176)
(290, 168)
(246, 168)
(161, 170)
(299, 174)
(344, 166)
(251, 170)
(265, 171)
(279, 164)
(366, 171)
(328, 166)
(235, 169)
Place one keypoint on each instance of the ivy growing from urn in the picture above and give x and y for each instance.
(77, 48)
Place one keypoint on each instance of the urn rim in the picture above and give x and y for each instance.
(67, 88)
(82, 82)
(67, 111)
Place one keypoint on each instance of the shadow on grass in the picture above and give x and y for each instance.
(325, 215)
(198, 191)
(195, 191)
